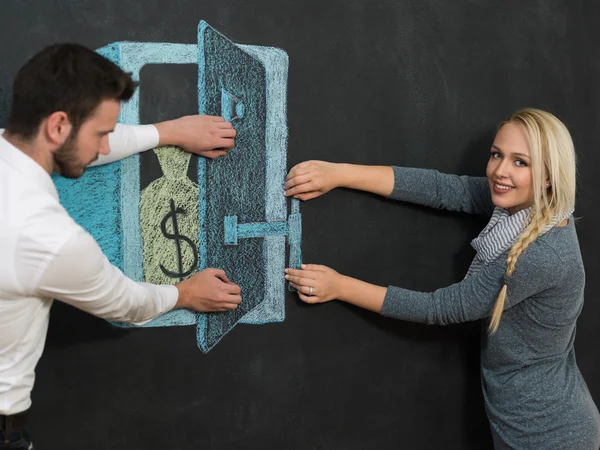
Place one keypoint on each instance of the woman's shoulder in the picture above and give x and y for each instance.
(562, 241)
(553, 253)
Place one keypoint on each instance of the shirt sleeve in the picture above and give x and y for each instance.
(537, 270)
(443, 191)
(82, 276)
(127, 140)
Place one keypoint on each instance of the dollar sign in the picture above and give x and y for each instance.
(177, 238)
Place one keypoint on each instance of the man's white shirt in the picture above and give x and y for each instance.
(45, 255)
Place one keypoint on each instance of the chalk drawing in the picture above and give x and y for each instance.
(236, 217)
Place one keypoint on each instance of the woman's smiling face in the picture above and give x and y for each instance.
(509, 169)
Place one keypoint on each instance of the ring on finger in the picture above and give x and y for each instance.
(310, 291)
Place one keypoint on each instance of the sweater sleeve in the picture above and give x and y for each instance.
(442, 191)
(473, 298)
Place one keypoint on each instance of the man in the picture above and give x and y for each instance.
(63, 116)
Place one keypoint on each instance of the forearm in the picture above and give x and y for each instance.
(432, 188)
(207, 136)
(362, 294)
(95, 286)
(376, 179)
(471, 299)
(127, 140)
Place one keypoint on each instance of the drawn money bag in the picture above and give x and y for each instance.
(169, 220)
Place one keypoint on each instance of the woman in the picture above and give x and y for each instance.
(527, 276)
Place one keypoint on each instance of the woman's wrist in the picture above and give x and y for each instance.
(343, 175)
(360, 293)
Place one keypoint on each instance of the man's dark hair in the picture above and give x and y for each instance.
(64, 77)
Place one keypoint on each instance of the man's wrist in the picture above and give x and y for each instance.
(166, 133)
(181, 296)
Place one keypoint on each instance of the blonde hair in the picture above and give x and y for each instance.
(552, 160)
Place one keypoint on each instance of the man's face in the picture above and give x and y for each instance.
(82, 147)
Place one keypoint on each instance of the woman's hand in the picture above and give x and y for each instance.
(312, 179)
(315, 283)
(320, 284)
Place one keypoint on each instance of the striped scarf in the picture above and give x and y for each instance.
(500, 233)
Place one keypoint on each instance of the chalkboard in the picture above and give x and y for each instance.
(403, 82)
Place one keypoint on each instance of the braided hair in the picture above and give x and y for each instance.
(554, 175)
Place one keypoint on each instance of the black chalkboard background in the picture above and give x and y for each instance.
(406, 82)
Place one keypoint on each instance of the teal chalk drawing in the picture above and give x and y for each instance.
(232, 107)
(244, 226)
(249, 82)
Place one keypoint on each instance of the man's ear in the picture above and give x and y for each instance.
(57, 128)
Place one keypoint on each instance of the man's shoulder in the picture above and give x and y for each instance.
(28, 212)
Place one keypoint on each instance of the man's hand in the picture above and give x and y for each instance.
(208, 291)
(208, 136)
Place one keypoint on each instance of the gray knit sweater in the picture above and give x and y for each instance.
(534, 394)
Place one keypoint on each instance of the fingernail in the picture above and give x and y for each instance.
(287, 277)
(286, 270)
(303, 266)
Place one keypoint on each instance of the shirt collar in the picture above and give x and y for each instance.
(27, 166)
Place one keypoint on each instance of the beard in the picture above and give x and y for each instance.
(65, 159)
